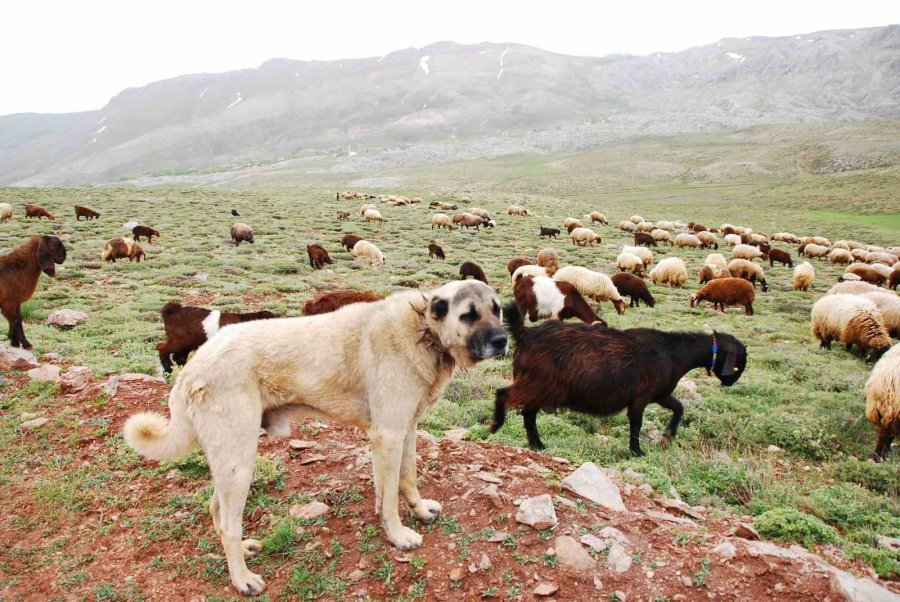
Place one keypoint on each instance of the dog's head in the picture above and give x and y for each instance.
(465, 317)
(51, 251)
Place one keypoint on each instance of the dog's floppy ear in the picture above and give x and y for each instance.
(439, 308)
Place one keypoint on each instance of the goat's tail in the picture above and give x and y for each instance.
(156, 438)
(515, 321)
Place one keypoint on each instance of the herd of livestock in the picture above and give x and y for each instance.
(860, 310)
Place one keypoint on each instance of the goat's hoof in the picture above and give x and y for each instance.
(637, 453)
(537, 446)
(493, 427)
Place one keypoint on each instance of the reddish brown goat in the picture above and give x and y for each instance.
(318, 256)
(19, 275)
(630, 285)
(543, 297)
(139, 231)
(329, 301)
(37, 211)
(348, 241)
(780, 256)
(435, 250)
(472, 269)
(642, 238)
(699, 228)
(85, 212)
(187, 328)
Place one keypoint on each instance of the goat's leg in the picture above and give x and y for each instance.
(20, 329)
(883, 447)
(672, 403)
(530, 419)
(635, 420)
(181, 357)
(500, 398)
(13, 331)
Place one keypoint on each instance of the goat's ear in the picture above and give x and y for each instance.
(439, 308)
(730, 358)
(45, 255)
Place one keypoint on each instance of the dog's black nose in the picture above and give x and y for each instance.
(499, 341)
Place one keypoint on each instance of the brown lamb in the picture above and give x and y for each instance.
(37, 211)
(472, 269)
(82, 211)
(348, 241)
(146, 231)
(781, 256)
(631, 286)
(435, 250)
(318, 256)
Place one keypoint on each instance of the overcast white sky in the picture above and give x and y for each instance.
(72, 55)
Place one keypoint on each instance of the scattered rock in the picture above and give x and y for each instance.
(497, 497)
(67, 318)
(484, 563)
(44, 373)
(34, 423)
(545, 589)
(612, 534)
(487, 477)
(571, 555)
(457, 574)
(299, 444)
(75, 379)
(14, 358)
(564, 501)
(456, 434)
(618, 560)
(312, 458)
(593, 542)
(646, 489)
(426, 436)
(686, 581)
(687, 391)
(310, 510)
(774, 449)
(356, 575)
(537, 512)
(633, 476)
(137, 377)
(888, 543)
(29, 415)
(725, 550)
(112, 386)
(681, 508)
(745, 531)
(591, 483)
(52, 357)
(201, 276)
(173, 474)
(498, 537)
(620, 595)
(665, 516)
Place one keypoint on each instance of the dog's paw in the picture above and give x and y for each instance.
(249, 584)
(404, 538)
(427, 511)
(250, 548)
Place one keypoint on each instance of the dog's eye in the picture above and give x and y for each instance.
(496, 308)
(470, 316)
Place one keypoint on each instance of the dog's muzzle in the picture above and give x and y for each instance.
(491, 343)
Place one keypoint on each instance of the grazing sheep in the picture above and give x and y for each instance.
(584, 236)
(732, 240)
(570, 222)
(859, 254)
(373, 215)
(441, 220)
(37, 211)
(670, 271)
(542, 297)
(241, 233)
(883, 401)
(627, 226)
(880, 257)
(365, 249)
(781, 256)
(121, 248)
(856, 287)
(757, 238)
(527, 270)
(591, 285)
(820, 240)
(571, 227)
(480, 213)
(662, 236)
(841, 244)
(840, 256)
(328, 301)
(343, 216)
(20, 272)
(138, 231)
(366, 207)
(715, 259)
(666, 225)
(867, 273)
(6, 212)
(712, 272)
(470, 220)
(723, 292)
(517, 262)
(348, 241)
(318, 256)
(516, 210)
(474, 270)
(645, 254)
(595, 217)
(631, 286)
(188, 328)
(549, 260)
(435, 250)
(748, 252)
(804, 276)
(645, 227)
(644, 239)
(708, 240)
(549, 232)
(889, 306)
(852, 320)
(687, 240)
(786, 237)
(627, 262)
(447, 206)
(743, 268)
(602, 371)
(812, 250)
(894, 279)
(636, 219)
(82, 211)
(699, 228)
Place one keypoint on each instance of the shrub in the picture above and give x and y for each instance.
(789, 524)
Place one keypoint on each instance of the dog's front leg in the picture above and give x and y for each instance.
(387, 456)
(425, 510)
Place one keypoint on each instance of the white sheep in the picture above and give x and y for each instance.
(883, 401)
(667, 226)
(441, 220)
(644, 253)
(636, 219)
(854, 287)
(373, 215)
(889, 305)
(708, 239)
(804, 276)
(627, 226)
(366, 250)
(812, 250)
(595, 217)
(670, 271)
(732, 240)
(786, 237)
(841, 244)
(366, 207)
(758, 238)
(584, 236)
(880, 257)
(646, 227)
(716, 259)
(874, 248)
(480, 213)
(840, 256)
(859, 254)
(661, 236)
(687, 240)
(852, 320)
(528, 270)
(591, 285)
(626, 262)
(748, 252)
(6, 213)
(517, 210)
(820, 240)
(571, 221)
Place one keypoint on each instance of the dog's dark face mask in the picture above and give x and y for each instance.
(731, 360)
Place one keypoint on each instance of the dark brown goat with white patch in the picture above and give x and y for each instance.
(602, 371)
(19, 275)
(630, 285)
(474, 270)
(542, 297)
(187, 328)
(318, 256)
(329, 301)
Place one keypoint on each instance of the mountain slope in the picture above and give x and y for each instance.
(447, 91)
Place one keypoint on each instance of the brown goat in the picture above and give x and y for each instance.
(139, 231)
(642, 238)
(19, 275)
(187, 328)
(435, 250)
(722, 292)
(37, 211)
(711, 272)
(894, 280)
(631, 286)
(543, 297)
(699, 228)
(82, 211)
(241, 233)
(549, 232)
(318, 256)
(780, 256)
(348, 241)
(472, 269)
(328, 301)
(516, 262)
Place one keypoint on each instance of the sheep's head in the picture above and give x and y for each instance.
(465, 317)
(731, 359)
(51, 251)
(619, 304)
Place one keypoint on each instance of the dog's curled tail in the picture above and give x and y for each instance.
(153, 436)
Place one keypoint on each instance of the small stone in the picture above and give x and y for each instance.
(498, 537)
(112, 386)
(29, 415)
(598, 583)
(14, 358)
(356, 575)
(472, 568)
(311, 459)
(620, 595)
(618, 560)
(726, 550)
(310, 510)
(173, 474)
(201, 277)
(681, 508)
(52, 357)
(33, 424)
(888, 543)
(745, 531)
(67, 318)
(487, 477)
(457, 574)
(686, 581)
(44, 373)
(537, 512)
(75, 379)
(138, 377)
(633, 476)
(456, 434)
(427, 437)
(545, 589)
(497, 497)
(665, 516)
(300, 444)
(571, 555)
(593, 542)
(484, 563)
(589, 482)
(646, 489)
(773, 449)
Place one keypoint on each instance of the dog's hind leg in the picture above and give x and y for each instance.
(425, 510)
(387, 455)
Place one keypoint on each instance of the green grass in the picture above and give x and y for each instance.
(889, 221)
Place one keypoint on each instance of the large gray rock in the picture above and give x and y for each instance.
(591, 483)
(537, 512)
(618, 560)
(67, 318)
(34, 423)
(310, 510)
(75, 379)
(571, 555)
(14, 358)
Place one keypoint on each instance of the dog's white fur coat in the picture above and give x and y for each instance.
(366, 364)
